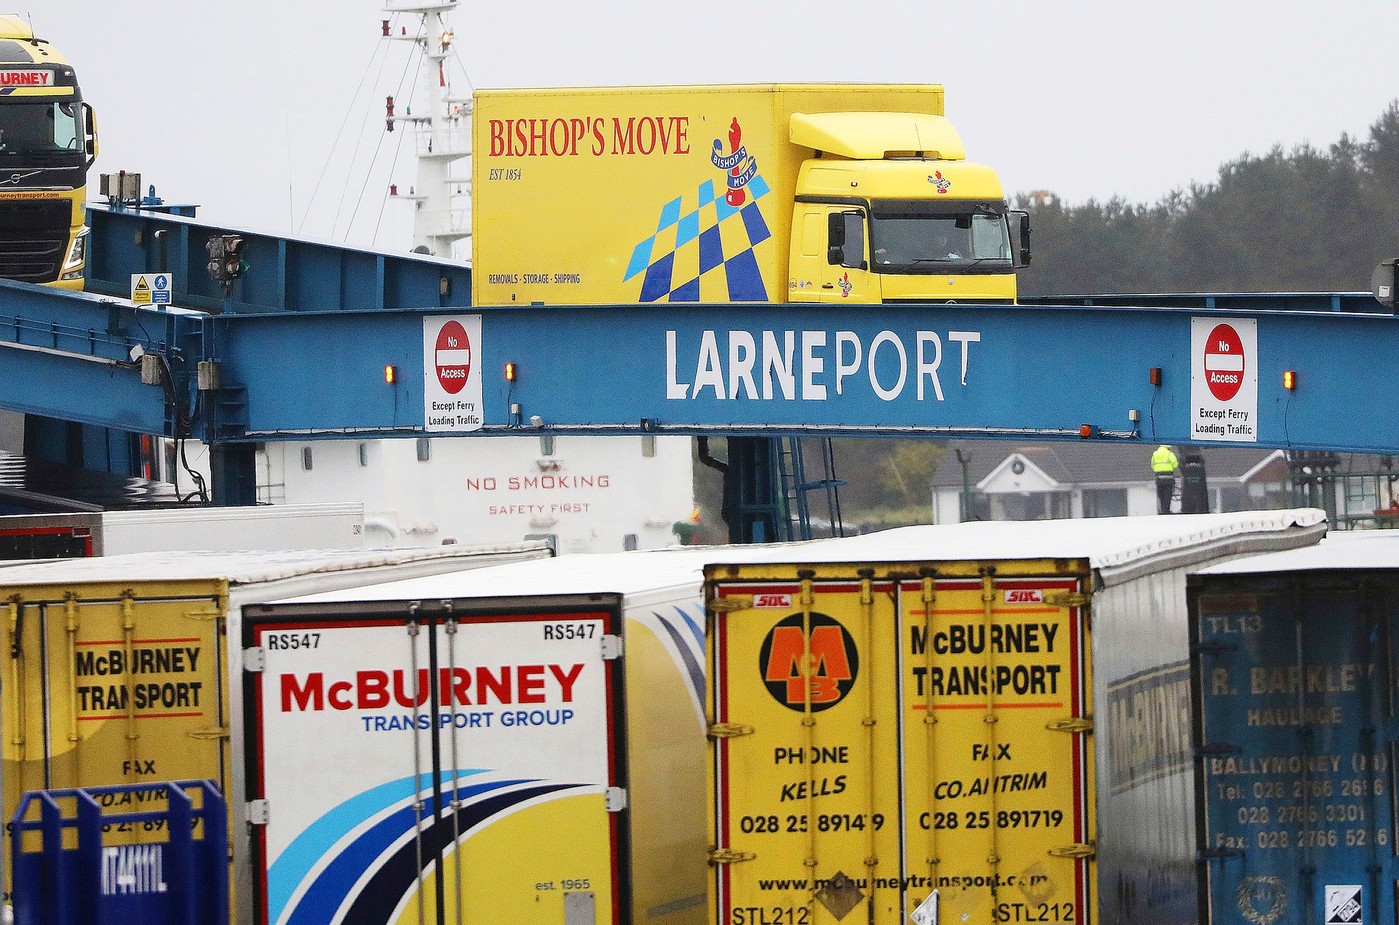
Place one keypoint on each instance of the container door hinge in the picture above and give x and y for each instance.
(1066, 599)
(254, 659)
(1215, 749)
(1218, 854)
(1074, 851)
(258, 812)
(728, 856)
(728, 730)
(731, 603)
(616, 799)
(204, 613)
(212, 733)
(1072, 724)
(611, 648)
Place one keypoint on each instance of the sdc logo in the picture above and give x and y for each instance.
(828, 674)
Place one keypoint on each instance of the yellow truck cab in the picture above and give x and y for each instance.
(48, 139)
(757, 193)
(891, 211)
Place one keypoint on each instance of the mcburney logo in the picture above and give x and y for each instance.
(739, 165)
(480, 697)
(34, 78)
(822, 670)
(942, 183)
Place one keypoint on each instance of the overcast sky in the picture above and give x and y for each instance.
(244, 106)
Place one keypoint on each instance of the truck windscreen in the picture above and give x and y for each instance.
(907, 238)
(40, 129)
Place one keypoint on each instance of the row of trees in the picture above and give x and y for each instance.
(1300, 220)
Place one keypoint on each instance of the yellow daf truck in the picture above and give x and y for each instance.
(48, 140)
(770, 193)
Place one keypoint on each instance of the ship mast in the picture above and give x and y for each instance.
(442, 129)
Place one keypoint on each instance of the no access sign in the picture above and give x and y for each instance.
(452, 373)
(452, 357)
(1224, 379)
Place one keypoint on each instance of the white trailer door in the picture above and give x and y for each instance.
(437, 769)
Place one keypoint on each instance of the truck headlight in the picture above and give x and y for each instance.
(77, 253)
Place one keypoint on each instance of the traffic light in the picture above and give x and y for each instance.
(226, 261)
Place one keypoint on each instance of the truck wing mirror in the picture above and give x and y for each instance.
(1023, 253)
(89, 133)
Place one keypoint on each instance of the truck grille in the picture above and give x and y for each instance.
(33, 238)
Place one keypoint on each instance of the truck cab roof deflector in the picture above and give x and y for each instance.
(875, 135)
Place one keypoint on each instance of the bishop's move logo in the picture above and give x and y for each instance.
(826, 668)
(738, 165)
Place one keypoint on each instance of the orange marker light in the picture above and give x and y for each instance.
(1085, 431)
(1289, 380)
(509, 372)
(390, 374)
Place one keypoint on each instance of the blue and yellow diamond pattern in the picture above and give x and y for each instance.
(706, 252)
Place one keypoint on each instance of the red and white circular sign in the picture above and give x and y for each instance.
(1224, 362)
(453, 357)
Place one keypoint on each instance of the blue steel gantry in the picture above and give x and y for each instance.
(300, 348)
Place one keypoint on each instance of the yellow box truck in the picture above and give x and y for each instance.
(929, 723)
(766, 193)
(127, 669)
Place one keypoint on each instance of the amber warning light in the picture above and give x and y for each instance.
(1289, 380)
(390, 374)
(509, 372)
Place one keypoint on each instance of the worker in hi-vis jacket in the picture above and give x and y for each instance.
(1164, 464)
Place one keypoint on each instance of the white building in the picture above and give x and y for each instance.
(994, 480)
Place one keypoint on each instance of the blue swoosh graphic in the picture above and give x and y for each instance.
(695, 627)
(292, 866)
(692, 664)
(336, 882)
